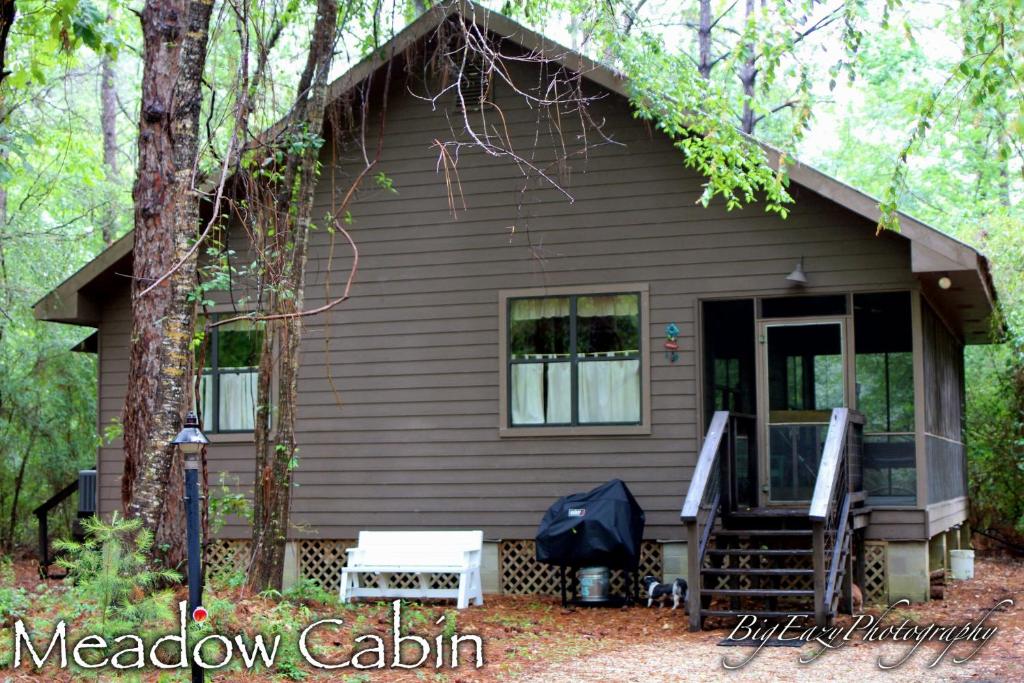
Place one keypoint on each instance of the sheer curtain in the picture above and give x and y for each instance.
(528, 390)
(609, 391)
(236, 409)
(237, 401)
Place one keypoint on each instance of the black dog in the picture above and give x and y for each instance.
(661, 591)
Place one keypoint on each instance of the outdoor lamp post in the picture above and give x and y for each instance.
(191, 441)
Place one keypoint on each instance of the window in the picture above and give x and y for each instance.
(228, 386)
(885, 395)
(574, 360)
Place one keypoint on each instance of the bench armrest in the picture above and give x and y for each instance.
(471, 558)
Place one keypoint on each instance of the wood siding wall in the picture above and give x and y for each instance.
(411, 439)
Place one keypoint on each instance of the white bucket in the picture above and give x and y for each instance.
(961, 564)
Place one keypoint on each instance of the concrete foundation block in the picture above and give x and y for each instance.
(490, 568)
(291, 565)
(906, 570)
(674, 560)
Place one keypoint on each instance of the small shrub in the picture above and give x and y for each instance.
(111, 580)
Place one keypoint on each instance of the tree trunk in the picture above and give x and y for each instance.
(748, 78)
(108, 124)
(8, 10)
(276, 453)
(18, 481)
(166, 220)
(704, 40)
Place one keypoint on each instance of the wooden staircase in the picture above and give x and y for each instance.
(771, 562)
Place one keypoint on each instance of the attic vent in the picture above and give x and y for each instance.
(475, 82)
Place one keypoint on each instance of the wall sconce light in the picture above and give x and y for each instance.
(798, 276)
(945, 282)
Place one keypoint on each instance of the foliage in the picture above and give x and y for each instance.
(14, 601)
(112, 582)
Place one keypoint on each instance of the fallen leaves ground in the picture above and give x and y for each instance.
(535, 640)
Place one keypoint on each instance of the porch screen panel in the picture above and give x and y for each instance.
(885, 395)
(944, 409)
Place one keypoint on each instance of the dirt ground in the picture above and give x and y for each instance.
(535, 640)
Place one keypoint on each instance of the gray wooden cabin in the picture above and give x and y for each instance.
(493, 360)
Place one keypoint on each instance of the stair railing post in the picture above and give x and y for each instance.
(820, 609)
(693, 559)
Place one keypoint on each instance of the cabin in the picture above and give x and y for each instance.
(784, 397)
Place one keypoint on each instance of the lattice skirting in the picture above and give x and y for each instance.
(522, 574)
(227, 556)
(874, 588)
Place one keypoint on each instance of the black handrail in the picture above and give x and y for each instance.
(42, 515)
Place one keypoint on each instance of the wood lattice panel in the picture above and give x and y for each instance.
(226, 556)
(797, 581)
(874, 589)
(522, 574)
(321, 560)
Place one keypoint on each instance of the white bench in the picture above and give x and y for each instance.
(415, 552)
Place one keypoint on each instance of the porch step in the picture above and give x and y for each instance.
(758, 572)
(761, 513)
(772, 552)
(760, 592)
(763, 532)
(766, 613)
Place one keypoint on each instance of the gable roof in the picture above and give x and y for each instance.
(969, 303)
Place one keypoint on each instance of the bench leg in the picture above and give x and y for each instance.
(343, 590)
(464, 579)
(477, 591)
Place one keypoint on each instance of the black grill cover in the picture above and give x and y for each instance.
(603, 527)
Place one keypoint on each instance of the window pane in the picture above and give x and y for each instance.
(828, 382)
(609, 391)
(890, 469)
(539, 327)
(238, 344)
(608, 323)
(885, 391)
(237, 405)
(541, 393)
(884, 361)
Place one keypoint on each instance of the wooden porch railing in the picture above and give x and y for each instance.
(711, 490)
(834, 494)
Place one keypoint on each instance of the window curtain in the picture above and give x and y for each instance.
(206, 407)
(609, 391)
(528, 393)
(612, 305)
(536, 309)
(237, 405)
(586, 306)
(528, 384)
